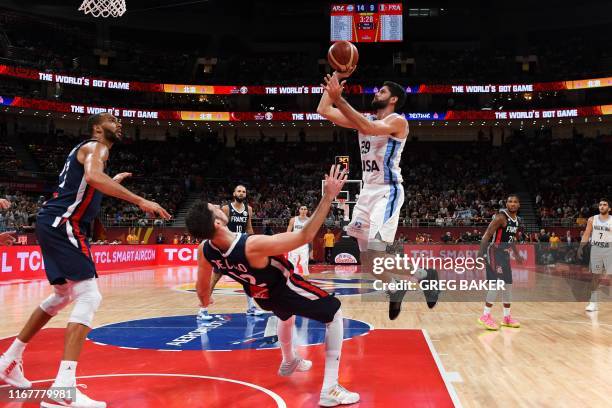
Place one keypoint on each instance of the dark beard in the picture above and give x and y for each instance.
(239, 199)
(379, 104)
(111, 137)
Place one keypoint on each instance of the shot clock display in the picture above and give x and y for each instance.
(366, 22)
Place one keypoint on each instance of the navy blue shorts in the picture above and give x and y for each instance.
(498, 266)
(65, 251)
(301, 298)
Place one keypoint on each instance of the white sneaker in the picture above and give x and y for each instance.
(337, 395)
(203, 315)
(11, 372)
(253, 311)
(80, 401)
(591, 307)
(299, 364)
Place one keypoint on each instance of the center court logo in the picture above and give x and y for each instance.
(339, 286)
(234, 331)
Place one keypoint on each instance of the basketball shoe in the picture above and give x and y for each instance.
(11, 372)
(337, 395)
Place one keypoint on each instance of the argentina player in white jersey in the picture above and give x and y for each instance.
(598, 234)
(381, 141)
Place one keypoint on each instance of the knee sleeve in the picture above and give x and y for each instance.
(507, 294)
(87, 299)
(491, 296)
(60, 298)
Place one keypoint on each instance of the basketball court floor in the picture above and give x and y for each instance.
(147, 349)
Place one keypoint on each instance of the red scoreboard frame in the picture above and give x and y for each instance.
(366, 22)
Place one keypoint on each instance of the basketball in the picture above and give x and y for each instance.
(342, 55)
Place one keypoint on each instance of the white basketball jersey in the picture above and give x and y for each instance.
(602, 232)
(298, 224)
(380, 159)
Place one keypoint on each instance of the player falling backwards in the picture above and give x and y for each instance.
(598, 234)
(60, 230)
(256, 262)
(502, 236)
(239, 215)
(381, 141)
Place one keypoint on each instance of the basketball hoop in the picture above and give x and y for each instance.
(344, 206)
(103, 8)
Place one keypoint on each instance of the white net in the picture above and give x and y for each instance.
(103, 8)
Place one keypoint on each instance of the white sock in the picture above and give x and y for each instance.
(594, 296)
(506, 311)
(16, 349)
(487, 310)
(66, 376)
(285, 338)
(250, 303)
(333, 346)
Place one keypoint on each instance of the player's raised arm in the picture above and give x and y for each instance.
(585, 237)
(497, 222)
(263, 245)
(326, 105)
(93, 156)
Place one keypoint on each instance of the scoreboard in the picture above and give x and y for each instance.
(366, 22)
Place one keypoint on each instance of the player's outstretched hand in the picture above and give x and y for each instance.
(333, 86)
(4, 204)
(121, 176)
(335, 180)
(345, 74)
(7, 238)
(152, 208)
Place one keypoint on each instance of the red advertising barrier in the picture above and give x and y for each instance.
(25, 262)
(527, 252)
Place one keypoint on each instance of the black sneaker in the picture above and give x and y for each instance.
(431, 296)
(395, 303)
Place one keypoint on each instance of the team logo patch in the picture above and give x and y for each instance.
(234, 331)
(339, 286)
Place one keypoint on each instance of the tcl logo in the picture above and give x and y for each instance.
(182, 254)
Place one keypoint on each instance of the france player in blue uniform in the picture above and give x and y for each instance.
(61, 226)
(257, 262)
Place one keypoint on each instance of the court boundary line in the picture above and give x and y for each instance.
(280, 402)
(449, 386)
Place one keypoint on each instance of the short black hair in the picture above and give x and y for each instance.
(514, 195)
(94, 120)
(240, 185)
(200, 220)
(605, 199)
(398, 91)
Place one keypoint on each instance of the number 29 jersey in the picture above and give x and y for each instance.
(380, 158)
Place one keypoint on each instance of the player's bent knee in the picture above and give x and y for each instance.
(55, 303)
(87, 301)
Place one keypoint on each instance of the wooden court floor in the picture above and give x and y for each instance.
(560, 357)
